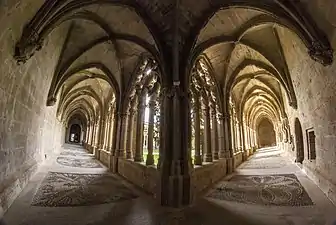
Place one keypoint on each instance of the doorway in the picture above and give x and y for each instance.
(75, 133)
(299, 141)
(266, 133)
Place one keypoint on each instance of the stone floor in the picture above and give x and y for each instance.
(74, 188)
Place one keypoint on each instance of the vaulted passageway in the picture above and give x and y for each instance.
(170, 96)
(76, 188)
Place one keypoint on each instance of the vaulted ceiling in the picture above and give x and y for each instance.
(106, 41)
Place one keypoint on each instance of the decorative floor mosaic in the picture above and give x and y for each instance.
(83, 163)
(277, 190)
(265, 163)
(71, 189)
(75, 153)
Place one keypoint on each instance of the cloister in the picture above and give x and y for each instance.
(171, 97)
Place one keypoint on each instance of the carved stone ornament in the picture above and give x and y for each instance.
(320, 53)
(51, 101)
(26, 47)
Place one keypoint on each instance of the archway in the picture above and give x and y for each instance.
(75, 133)
(266, 133)
(298, 141)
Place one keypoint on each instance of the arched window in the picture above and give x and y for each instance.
(204, 115)
(143, 115)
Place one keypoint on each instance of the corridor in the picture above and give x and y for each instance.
(74, 188)
(152, 112)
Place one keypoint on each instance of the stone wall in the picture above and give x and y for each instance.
(104, 157)
(237, 159)
(266, 134)
(315, 88)
(205, 176)
(27, 129)
(146, 177)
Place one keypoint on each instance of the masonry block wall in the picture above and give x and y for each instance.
(315, 90)
(27, 126)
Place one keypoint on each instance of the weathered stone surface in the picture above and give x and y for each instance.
(204, 176)
(146, 177)
(27, 126)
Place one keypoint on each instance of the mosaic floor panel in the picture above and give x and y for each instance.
(265, 162)
(277, 190)
(75, 153)
(71, 189)
(83, 163)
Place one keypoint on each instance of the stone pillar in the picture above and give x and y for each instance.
(174, 169)
(129, 139)
(151, 106)
(102, 133)
(122, 146)
(110, 132)
(214, 136)
(234, 135)
(96, 140)
(198, 155)
(138, 157)
(107, 133)
(93, 131)
(87, 133)
(207, 134)
(222, 148)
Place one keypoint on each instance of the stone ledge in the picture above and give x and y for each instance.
(237, 159)
(146, 177)
(104, 157)
(12, 187)
(205, 176)
(327, 187)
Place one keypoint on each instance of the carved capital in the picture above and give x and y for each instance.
(320, 53)
(26, 47)
(51, 101)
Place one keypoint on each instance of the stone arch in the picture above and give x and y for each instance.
(205, 111)
(75, 133)
(298, 141)
(285, 14)
(141, 114)
(265, 132)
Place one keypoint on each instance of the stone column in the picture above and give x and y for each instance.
(151, 106)
(207, 134)
(175, 187)
(87, 134)
(234, 135)
(214, 135)
(198, 155)
(129, 138)
(96, 140)
(102, 133)
(110, 132)
(107, 132)
(93, 131)
(113, 131)
(122, 149)
(138, 157)
(222, 148)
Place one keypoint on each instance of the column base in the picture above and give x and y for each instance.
(94, 151)
(216, 156)
(222, 154)
(122, 153)
(149, 160)
(113, 165)
(198, 160)
(244, 156)
(230, 165)
(208, 158)
(138, 158)
(129, 155)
